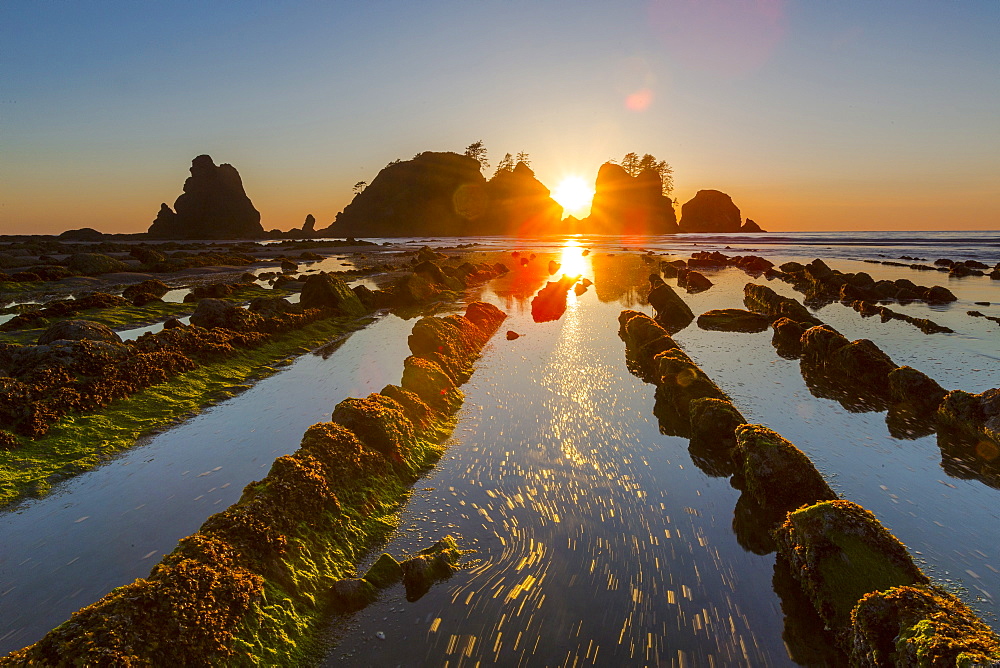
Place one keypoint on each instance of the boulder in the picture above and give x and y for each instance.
(751, 226)
(435, 563)
(916, 388)
(327, 291)
(778, 474)
(672, 312)
(271, 306)
(679, 381)
(385, 572)
(695, 281)
(976, 417)
(78, 330)
(839, 552)
(352, 594)
(787, 337)
(733, 320)
(762, 299)
(710, 211)
(146, 255)
(919, 626)
(214, 205)
(219, 313)
(288, 267)
(93, 264)
(713, 432)
(145, 291)
(379, 422)
(431, 383)
(819, 343)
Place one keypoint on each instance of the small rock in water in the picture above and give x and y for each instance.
(511, 335)
(380, 635)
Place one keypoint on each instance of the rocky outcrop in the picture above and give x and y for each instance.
(625, 204)
(445, 194)
(309, 226)
(212, 206)
(751, 226)
(519, 205)
(840, 552)
(762, 299)
(710, 211)
(920, 626)
(219, 313)
(325, 290)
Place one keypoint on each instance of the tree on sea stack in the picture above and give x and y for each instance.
(477, 151)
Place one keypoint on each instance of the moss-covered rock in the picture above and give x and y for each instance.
(762, 299)
(350, 594)
(787, 337)
(733, 320)
(839, 552)
(644, 338)
(679, 382)
(975, 416)
(385, 572)
(672, 312)
(777, 473)
(418, 412)
(713, 435)
(916, 388)
(863, 363)
(819, 343)
(919, 626)
(431, 383)
(486, 317)
(94, 264)
(695, 281)
(435, 563)
(325, 290)
(379, 422)
(78, 330)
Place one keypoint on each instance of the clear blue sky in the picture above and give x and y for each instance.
(812, 115)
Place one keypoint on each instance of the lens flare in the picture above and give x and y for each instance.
(574, 195)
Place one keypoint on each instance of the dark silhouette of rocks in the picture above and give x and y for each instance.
(445, 194)
(309, 226)
(82, 234)
(751, 226)
(519, 204)
(710, 211)
(625, 204)
(212, 206)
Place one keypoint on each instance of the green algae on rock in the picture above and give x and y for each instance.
(762, 299)
(252, 586)
(777, 473)
(919, 626)
(839, 552)
(733, 320)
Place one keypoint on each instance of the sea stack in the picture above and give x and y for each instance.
(710, 211)
(212, 206)
(625, 204)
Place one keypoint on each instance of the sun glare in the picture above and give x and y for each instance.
(574, 195)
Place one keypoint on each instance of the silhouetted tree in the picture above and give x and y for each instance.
(630, 163)
(395, 162)
(506, 165)
(359, 186)
(523, 157)
(477, 151)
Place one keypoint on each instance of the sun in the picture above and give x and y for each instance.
(574, 195)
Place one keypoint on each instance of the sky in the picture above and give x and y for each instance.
(847, 115)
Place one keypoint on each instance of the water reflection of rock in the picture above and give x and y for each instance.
(550, 302)
(620, 278)
(969, 458)
(854, 397)
(807, 640)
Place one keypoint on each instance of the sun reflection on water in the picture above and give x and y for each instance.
(572, 259)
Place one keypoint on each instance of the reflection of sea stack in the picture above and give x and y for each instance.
(625, 204)
(213, 206)
(713, 211)
(445, 194)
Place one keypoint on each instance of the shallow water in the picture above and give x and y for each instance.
(599, 540)
(104, 528)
